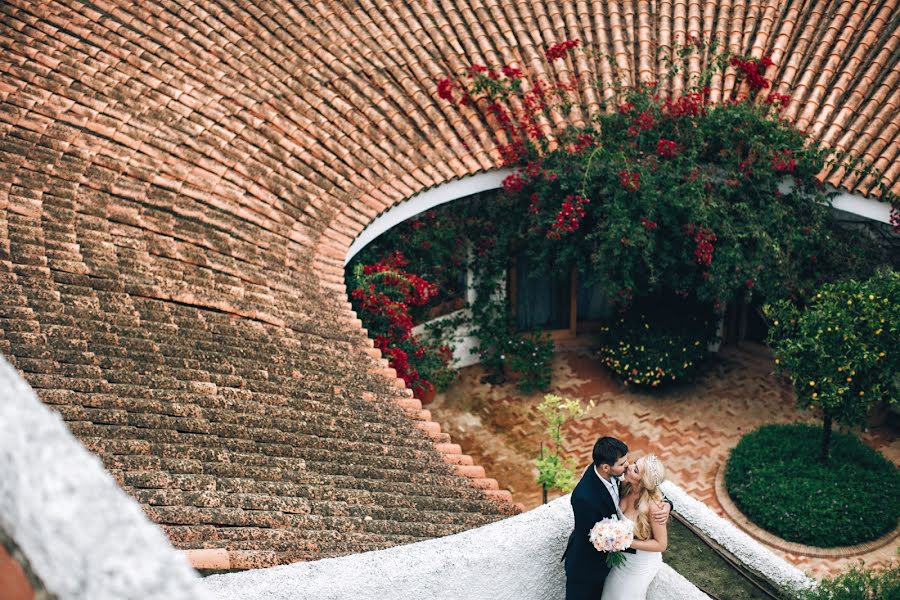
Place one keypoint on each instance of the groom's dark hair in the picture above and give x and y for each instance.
(607, 450)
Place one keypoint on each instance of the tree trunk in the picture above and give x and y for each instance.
(826, 438)
(545, 494)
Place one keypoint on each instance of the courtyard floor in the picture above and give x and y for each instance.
(692, 428)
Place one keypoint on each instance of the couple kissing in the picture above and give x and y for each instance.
(614, 489)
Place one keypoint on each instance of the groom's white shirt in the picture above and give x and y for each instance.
(612, 486)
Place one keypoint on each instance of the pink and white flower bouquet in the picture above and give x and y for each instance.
(612, 536)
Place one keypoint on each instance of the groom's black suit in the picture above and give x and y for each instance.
(586, 568)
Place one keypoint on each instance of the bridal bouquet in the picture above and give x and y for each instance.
(612, 536)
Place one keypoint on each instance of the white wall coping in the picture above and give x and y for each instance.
(424, 201)
(517, 558)
(82, 536)
(746, 549)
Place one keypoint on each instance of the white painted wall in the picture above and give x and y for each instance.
(514, 559)
(82, 535)
(464, 343)
(448, 192)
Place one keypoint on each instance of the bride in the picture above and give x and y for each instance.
(640, 492)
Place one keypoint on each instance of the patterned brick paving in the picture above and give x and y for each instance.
(692, 428)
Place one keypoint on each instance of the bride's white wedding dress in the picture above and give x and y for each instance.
(630, 580)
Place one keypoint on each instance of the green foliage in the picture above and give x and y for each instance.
(682, 196)
(842, 349)
(434, 243)
(858, 584)
(530, 357)
(658, 341)
(554, 471)
(775, 478)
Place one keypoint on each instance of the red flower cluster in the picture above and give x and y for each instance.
(513, 183)
(512, 153)
(704, 237)
(666, 148)
(534, 207)
(783, 161)
(626, 108)
(445, 89)
(780, 101)
(558, 51)
(630, 182)
(648, 224)
(689, 105)
(385, 303)
(511, 72)
(642, 122)
(476, 70)
(584, 140)
(533, 168)
(754, 70)
(569, 216)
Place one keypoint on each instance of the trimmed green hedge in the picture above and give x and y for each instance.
(775, 478)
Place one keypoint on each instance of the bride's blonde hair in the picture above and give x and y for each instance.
(653, 474)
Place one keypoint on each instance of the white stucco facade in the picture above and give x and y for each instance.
(83, 537)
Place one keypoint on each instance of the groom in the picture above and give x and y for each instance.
(595, 498)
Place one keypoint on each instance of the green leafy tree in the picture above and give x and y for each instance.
(841, 351)
(555, 471)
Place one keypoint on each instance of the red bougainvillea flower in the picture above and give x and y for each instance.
(584, 140)
(533, 168)
(630, 181)
(511, 72)
(445, 89)
(689, 105)
(476, 70)
(666, 148)
(779, 101)
(648, 224)
(568, 219)
(513, 183)
(783, 161)
(703, 253)
(558, 51)
(753, 70)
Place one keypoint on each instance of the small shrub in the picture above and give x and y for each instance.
(530, 357)
(775, 477)
(656, 344)
(858, 584)
(554, 471)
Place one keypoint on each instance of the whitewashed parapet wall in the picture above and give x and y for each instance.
(748, 551)
(82, 536)
(514, 559)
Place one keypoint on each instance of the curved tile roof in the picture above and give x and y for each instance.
(179, 184)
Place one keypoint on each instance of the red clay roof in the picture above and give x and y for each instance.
(180, 182)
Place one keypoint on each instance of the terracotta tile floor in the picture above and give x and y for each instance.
(691, 428)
